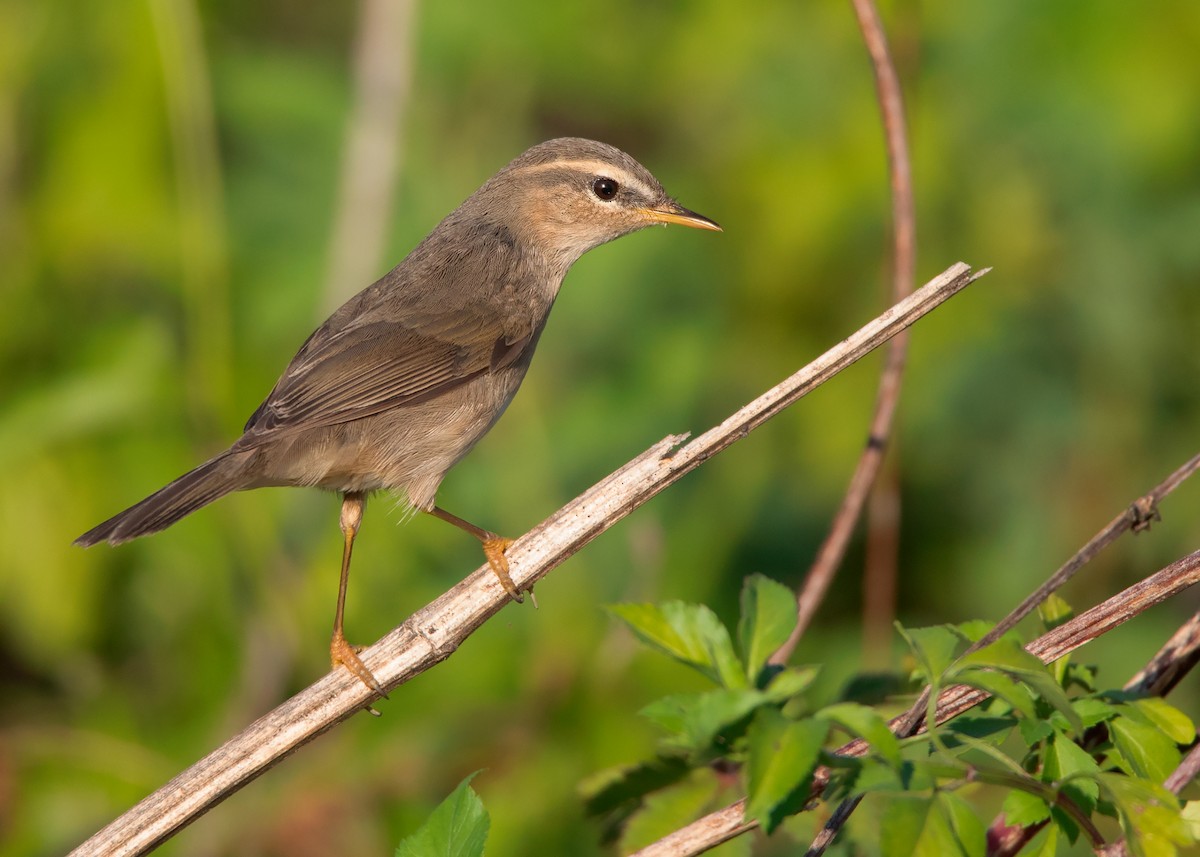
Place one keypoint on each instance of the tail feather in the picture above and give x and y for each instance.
(210, 481)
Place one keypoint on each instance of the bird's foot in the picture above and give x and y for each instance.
(344, 654)
(494, 548)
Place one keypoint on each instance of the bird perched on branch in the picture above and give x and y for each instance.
(402, 381)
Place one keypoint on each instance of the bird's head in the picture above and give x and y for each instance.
(566, 196)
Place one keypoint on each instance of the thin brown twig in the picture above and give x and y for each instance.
(433, 633)
(904, 242)
(1136, 518)
(865, 479)
(719, 826)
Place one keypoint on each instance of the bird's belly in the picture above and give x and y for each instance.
(408, 449)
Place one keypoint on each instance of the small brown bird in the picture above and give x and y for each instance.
(402, 380)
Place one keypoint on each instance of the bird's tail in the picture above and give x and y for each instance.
(211, 480)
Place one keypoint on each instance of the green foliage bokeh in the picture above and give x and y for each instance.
(166, 206)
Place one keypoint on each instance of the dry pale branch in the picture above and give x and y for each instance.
(433, 633)
(724, 824)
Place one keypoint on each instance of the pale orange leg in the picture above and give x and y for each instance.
(340, 651)
(494, 547)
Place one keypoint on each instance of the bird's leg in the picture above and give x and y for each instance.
(340, 651)
(494, 547)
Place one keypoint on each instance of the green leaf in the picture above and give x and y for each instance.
(1008, 656)
(668, 810)
(1023, 809)
(1054, 611)
(1191, 818)
(934, 647)
(789, 682)
(1000, 686)
(781, 757)
(1048, 688)
(768, 618)
(970, 837)
(974, 629)
(1149, 815)
(458, 827)
(936, 826)
(868, 724)
(1148, 751)
(1049, 846)
(964, 727)
(1073, 771)
(625, 787)
(1033, 731)
(1174, 723)
(690, 633)
(1065, 759)
(704, 722)
(1005, 654)
(1092, 710)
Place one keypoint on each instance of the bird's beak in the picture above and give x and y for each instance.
(673, 212)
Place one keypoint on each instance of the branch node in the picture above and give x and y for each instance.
(1144, 512)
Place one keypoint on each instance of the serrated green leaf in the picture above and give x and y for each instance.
(934, 647)
(701, 722)
(690, 633)
(781, 757)
(1148, 751)
(1001, 686)
(1158, 712)
(868, 724)
(1023, 809)
(458, 827)
(768, 618)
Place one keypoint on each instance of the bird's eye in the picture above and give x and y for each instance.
(605, 189)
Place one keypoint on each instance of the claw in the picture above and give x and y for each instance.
(495, 549)
(343, 654)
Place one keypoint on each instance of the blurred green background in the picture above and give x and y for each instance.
(169, 194)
